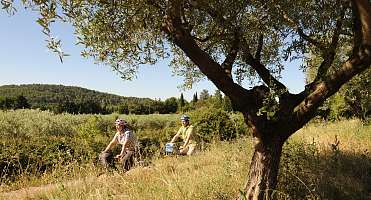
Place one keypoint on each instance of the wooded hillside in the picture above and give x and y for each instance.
(44, 94)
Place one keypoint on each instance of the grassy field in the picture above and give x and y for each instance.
(321, 161)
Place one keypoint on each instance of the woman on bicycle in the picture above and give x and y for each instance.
(127, 139)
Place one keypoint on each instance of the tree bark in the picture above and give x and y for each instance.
(264, 167)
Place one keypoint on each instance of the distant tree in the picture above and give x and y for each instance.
(218, 99)
(70, 107)
(6, 103)
(67, 106)
(171, 105)
(21, 102)
(2, 103)
(229, 41)
(158, 107)
(136, 108)
(204, 94)
(181, 102)
(195, 98)
(123, 109)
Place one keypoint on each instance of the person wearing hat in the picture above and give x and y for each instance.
(187, 133)
(127, 139)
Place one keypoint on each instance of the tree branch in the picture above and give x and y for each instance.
(263, 72)
(241, 97)
(299, 30)
(359, 61)
(231, 56)
(260, 47)
(329, 54)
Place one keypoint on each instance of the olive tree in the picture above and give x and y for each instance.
(229, 42)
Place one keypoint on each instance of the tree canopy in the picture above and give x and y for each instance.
(249, 39)
(228, 42)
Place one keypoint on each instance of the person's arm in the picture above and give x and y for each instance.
(111, 144)
(176, 136)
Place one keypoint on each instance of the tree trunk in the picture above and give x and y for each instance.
(262, 179)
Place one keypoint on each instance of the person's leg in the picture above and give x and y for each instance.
(191, 149)
(184, 150)
(106, 159)
(128, 160)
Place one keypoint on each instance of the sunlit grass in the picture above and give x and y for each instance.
(321, 161)
(216, 173)
(351, 134)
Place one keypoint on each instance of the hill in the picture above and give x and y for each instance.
(44, 95)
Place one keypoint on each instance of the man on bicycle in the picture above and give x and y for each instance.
(187, 133)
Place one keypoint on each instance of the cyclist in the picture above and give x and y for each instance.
(127, 139)
(187, 133)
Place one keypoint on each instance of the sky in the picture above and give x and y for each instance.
(25, 59)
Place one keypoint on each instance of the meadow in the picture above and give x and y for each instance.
(48, 156)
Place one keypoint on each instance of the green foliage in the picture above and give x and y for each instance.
(336, 107)
(171, 105)
(18, 102)
(194, 98)
(36, 142)
(214, 124)
(127, 34)
(204, 94)
(182, 102)
(240, 126)
(227, 104)
(21, 103)
(43, 94)
(357, 96)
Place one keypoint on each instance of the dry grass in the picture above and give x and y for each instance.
(313, 166)
(216, 173)
(351, 134)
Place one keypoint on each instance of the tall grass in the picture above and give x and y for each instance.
(321, 161)
(35, 143)
(328, 161)
(212, 174)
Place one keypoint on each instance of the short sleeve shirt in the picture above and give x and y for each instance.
(126, 135)
(185, 131)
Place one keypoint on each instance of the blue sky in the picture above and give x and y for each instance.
(24, 59)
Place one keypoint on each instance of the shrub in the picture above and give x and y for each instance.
(214, 124)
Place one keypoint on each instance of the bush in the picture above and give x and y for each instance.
(214, 124)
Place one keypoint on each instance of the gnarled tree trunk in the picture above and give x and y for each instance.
(263, 168)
